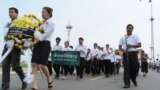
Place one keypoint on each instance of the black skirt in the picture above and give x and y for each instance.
(41, 52)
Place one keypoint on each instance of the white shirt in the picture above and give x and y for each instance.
(57, 48)
(67, 49)
(48, 28)
(118, 58)
(132, 40)
(106, 55)
(94, 53)
(103, 55)
(7, 28)
(112, 56)
(157, 63)
(82, 49)
(100, 54)
(89, 56)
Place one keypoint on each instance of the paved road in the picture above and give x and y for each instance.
(151, 82)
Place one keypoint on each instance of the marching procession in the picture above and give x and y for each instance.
(94, 61)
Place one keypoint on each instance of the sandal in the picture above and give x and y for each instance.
(50, 84)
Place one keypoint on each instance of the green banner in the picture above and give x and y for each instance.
(66, 57)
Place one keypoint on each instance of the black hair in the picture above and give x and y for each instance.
(71, 47)
(67, 42)
(58, 38)
(130, 25)
(81, 38)
(49, 10)
(107, 44)
(15, 9)
(96, 44)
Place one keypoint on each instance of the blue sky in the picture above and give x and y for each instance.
(101, 21)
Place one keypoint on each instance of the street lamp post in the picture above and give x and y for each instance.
(158, 56)
(69, 27)
(152, 33)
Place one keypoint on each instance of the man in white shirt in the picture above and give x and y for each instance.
(99, 60)
(118, 62)
(83, 50)
(157, 65)
(107, 61)
(57, 47)
(71, 68)
(13, 59)
(112, 58)
(94, 57)
(129, 44)
(66, 67)
(88, 62)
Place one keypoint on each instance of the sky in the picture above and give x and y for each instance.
(98, 21)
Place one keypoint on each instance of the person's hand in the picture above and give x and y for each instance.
(130, 46)
(125, 51)
(33, 43)
(82, 52)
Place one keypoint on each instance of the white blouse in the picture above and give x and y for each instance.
(48, 28)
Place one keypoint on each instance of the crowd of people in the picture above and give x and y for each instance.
(94, 61)
(155, 65)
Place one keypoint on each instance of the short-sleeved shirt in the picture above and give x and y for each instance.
(112, 56)
(67, 49)
(81, 48)
(94, 53)
(132, 40)
(57, 48)
(106, 55)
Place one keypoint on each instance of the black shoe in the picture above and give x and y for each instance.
(4, 89)
(143, 75)
(126, 86)
(56, 77)
(81, 77)
(107, 76)
(135, 84)
(24, 85)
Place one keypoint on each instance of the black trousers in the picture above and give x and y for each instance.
(111, 68)
(13, 59)
(117, 67)
(88, 67)
(98, 67)
(101, 66)
(130, 63)
(94, 66)
(138, 67)
(144, 67)
(62, 69)
(71, 70)
(107, 67)
(56, 68)
(50, 67)
(66, 70)
(80, 69)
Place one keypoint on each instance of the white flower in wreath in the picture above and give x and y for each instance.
(10, 44)
(18, 41)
